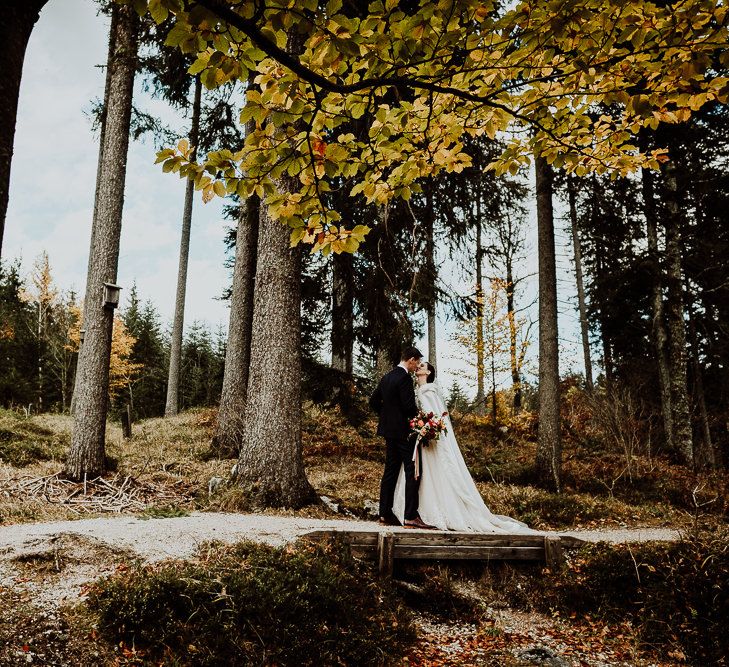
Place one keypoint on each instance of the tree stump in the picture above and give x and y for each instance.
(126, 422)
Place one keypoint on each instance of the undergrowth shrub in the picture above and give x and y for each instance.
(676, 595)
(539, 508)
(254, 604)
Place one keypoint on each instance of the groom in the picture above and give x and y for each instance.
(394, 402)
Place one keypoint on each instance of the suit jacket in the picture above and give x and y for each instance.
(394, 402)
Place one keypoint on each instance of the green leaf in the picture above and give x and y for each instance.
(177, 34)
(296, 236)
(198, 66)
(157, 11)
(219, 188)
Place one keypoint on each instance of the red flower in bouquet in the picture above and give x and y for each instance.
(428, 427)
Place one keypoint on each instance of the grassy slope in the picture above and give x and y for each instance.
(167, 457)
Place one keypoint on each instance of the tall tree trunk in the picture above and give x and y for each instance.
(659, 335)
(342, 338)
(704, 452)
(493, 384)
(549, 447)
(173, 379)
(18, 19)
(431, 271)
(581, 304)
(600, 276)
(87, 454)
(100, 161)
(682, 436)
(271, 465)
(480, 383)
(40, 354)
(231, 416)
(514, 354)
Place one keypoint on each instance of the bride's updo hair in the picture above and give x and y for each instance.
(431, 368)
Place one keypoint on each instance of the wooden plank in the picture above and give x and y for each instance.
(462, 552)
(385, 553)
(553, 552)
(437, 538)
(470, 539)
(454, 553)
(449, 545)
(571, 542)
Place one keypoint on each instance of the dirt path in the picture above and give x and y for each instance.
(179, 537)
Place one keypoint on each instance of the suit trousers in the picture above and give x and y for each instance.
(399, 452)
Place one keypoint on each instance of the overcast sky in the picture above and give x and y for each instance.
(53, 178)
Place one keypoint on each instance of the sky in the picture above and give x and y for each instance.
(53, 178)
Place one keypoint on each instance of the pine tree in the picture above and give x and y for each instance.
(457, 400)
(18, 351)
(146, 390)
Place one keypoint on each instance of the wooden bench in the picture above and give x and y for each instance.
(387, 545)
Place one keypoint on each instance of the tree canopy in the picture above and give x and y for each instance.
(572, 82)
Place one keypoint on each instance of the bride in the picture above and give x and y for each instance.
(449, 499)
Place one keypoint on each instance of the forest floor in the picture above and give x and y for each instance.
(47, 568)
(166, 497)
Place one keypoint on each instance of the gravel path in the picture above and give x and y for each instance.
(179, 537)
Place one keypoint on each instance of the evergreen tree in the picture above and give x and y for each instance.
(202, 363)
(146, 391)
(457, 400)
(18, 349)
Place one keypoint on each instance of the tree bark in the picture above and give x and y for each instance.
(549, 447)
(704, 452)
(682, 436)
(100, 161)
(494, 412)
(231, 416)
(87, 454)
(18, 19)
(658, 325)
(600, 276)
(342, 338)
(431, 272)
(514, 354)
(270, 466)
(480, 383)
(173, 380)
(581, 304)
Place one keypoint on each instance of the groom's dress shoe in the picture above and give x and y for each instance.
(389, 521)
(419, 523)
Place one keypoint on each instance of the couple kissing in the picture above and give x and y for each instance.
(426, 487)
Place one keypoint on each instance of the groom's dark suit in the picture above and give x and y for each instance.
(394, 401)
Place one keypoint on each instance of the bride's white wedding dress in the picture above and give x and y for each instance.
(448, 497)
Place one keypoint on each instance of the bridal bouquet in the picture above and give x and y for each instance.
(428, 426)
